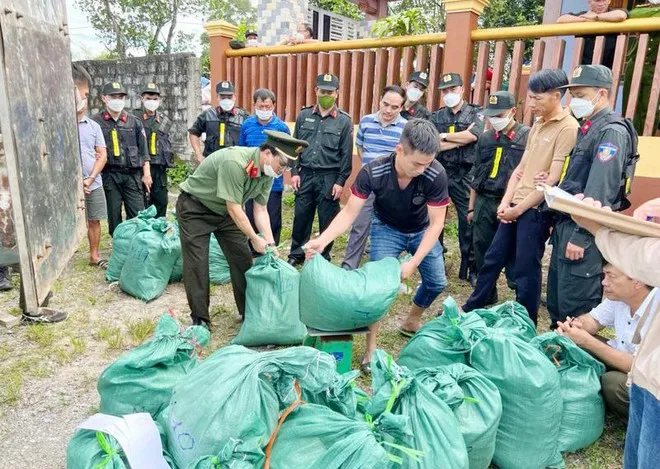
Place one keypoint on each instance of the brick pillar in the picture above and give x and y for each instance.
(279, 18)
(220, 33)
(462, 16)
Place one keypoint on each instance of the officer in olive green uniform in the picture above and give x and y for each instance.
(157, 127)
(499, 151)
(222, 125)
(600, 166)
(128, 160)
(460, 125)
(323, 167)
(212, 201)
(413, 107)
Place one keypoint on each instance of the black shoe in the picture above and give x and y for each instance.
(200, 322)
(46, 316)
(293, 261)
(5, 284)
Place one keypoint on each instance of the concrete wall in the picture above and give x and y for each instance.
(177, 75)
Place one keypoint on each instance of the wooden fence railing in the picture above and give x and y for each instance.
(365, 66)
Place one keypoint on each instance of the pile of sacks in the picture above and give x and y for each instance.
(468, 390)
(146, 256)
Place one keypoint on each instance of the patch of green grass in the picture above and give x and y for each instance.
(212, 289)
(57, 286)
(116, 340)
(289, 199)
(140, 330)
(79, 345)
(41, 334)
(92, 300)
(451, 230)
(40, 371)
(15, 311)
(11, 385)
(104, 332)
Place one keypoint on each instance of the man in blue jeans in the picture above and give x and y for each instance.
(410, 204)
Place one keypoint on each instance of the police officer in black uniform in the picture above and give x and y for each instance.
(460, 125)
(128, 166)
(157, 127)
(323, 167)
(498, 153)
(599, 167)
(415, 88)
(222, 125)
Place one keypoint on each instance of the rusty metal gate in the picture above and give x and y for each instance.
(41, 178)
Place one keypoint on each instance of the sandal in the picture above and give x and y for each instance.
(102, 263)
(406, 332)
(366, 368)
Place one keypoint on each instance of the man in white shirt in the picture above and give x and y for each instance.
(625, 303)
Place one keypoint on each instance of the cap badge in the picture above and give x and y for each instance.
(492, 100)
(446, 78)
(116, 85)
(151, 86)
(224, 84)
(577, 72)
(423, 76)
(327, 77)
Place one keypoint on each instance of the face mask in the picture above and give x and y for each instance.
(414, 94)
(326, 102)
(151, 104)
(252, 42)
(264, 115)
(116, 105)
(582, 107)
(226, 104)
(299, 36)
(499, 123)
(81, 105)
(451, 99)
(269, 171)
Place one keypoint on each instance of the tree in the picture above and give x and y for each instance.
(148, 25)
(340, 7)
(405, 23)
(432, 19)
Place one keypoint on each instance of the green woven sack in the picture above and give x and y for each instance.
(442, 341)
(583, 415)
(334, 299)
(123, 237)
(142, 379)
(272, 316)
(229, 405)
(218, 265)
(90, 449)
(476, 404)
(148, 267)
(342, 395)
(510, 316)
(434, 429)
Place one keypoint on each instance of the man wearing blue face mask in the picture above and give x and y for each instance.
(221, 125)
(460, 125)
(601, 167)
(253, 135)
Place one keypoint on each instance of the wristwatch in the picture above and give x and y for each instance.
(443, 136)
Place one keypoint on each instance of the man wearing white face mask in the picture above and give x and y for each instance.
(499, 152)
(460, 125)
(600, 166)
(157, 127)
(253, 134)
(415, 89)
(222, 125)
(127, 170)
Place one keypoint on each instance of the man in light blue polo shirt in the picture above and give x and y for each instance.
(377, 135)
(93, 156)
(252, 135)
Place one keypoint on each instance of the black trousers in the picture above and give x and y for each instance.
(196, 223)
(126, 188)
(574, 287)
(315, 194)
(274, 208)
(158, 194)
(523, 241)
(459, 192)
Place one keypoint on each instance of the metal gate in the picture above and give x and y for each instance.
(40, 139)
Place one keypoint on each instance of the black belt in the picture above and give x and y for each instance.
(112, 169)
(319, 171)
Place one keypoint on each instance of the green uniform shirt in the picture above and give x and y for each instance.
(229, 175)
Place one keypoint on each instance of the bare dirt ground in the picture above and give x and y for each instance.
(48, 374)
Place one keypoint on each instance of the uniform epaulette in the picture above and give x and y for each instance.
(345, 113)
(307, 107)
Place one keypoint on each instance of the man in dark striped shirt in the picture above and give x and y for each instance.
(409, 189)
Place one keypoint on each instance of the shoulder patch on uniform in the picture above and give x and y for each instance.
(607, 151)
(480, 116)
(309, 119)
